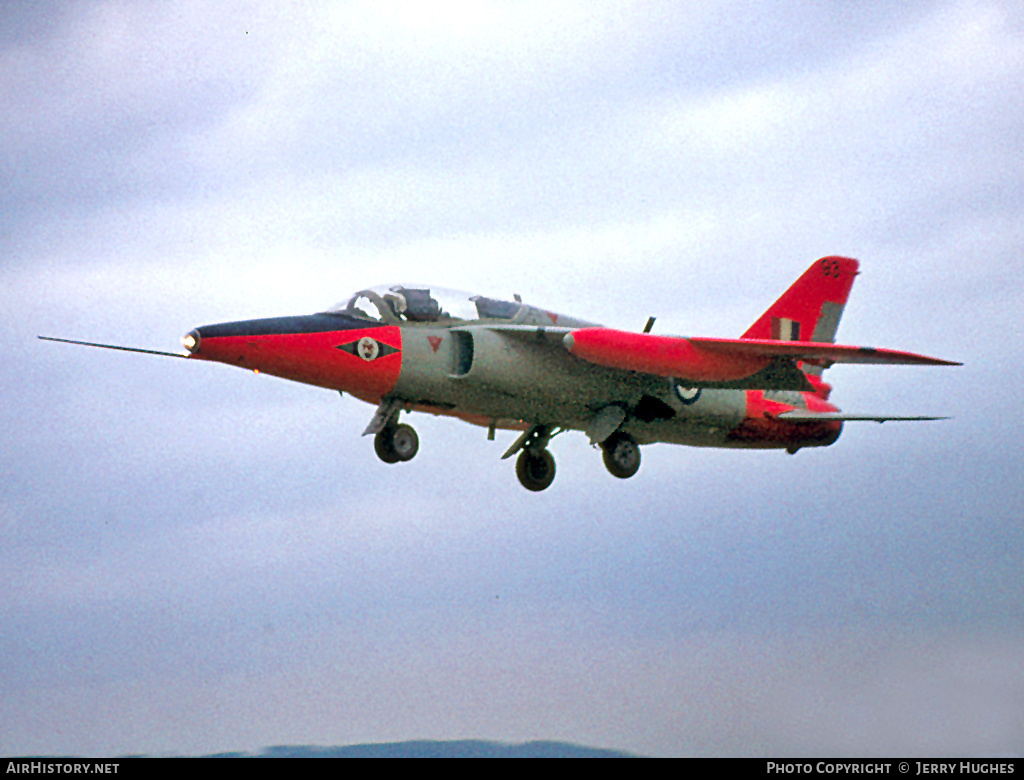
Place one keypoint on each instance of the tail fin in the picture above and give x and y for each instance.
(810, 309)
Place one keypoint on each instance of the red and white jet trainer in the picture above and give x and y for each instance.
(505, 364)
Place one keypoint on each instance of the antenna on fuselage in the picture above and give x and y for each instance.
(649, 325)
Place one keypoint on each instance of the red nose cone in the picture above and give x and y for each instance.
(338, 353)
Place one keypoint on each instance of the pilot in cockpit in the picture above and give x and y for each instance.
(413, 305)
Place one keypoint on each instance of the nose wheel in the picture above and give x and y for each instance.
(396, 443)
(535, 468)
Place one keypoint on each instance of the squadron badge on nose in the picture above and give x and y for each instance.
(367, 348)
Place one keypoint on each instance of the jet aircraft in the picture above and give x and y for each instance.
(505, 364)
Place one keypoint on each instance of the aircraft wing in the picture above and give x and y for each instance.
(819, 353)
(710, 360)
(756, 364)
(807, 416)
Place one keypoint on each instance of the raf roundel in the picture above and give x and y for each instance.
(368, 348)
(686, 395)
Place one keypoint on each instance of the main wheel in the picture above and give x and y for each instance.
(535, 469)
(621, 455)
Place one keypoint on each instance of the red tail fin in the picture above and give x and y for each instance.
(811, 308)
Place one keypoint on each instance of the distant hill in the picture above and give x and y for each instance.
(466, 748)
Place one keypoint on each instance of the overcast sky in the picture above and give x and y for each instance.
(194, 558)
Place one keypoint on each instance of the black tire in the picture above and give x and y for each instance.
(404, 442)
(384, 447)
(535, 469)
(621, 455)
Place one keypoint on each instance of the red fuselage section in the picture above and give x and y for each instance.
(328, 350)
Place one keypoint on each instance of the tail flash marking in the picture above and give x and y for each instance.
(785, 329)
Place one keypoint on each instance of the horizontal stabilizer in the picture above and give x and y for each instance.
(806, 416)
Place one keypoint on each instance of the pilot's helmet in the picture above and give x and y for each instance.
(396, 301)
(420, 305)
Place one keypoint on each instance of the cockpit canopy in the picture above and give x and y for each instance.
(411, 303)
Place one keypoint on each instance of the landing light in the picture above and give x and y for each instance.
(190, 342)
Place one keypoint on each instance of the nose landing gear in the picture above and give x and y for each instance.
(393, 442)
(396, 443)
